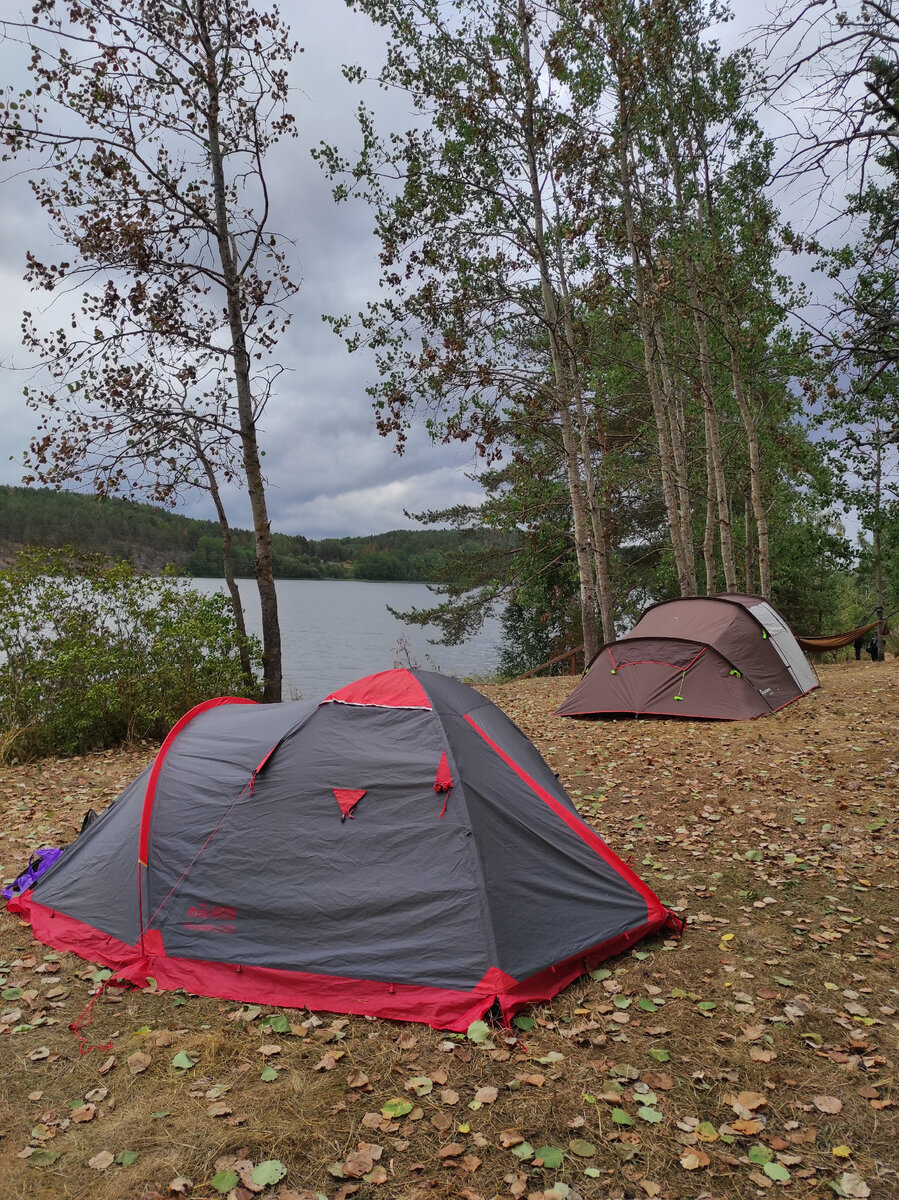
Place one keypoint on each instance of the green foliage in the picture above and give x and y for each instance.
(94, 654)
(377, 566)
(153, 537)
(812, 582)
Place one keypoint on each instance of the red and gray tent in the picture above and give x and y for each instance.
(399, 849)
(728, 657)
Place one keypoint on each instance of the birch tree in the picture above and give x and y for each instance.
(480, 254)
(154, 118)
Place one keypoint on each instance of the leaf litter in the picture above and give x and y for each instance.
(756, 1056)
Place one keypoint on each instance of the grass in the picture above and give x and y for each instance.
(754, 1057)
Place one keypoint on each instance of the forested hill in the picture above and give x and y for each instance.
(152, 537)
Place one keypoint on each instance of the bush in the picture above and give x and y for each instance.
(92, 654)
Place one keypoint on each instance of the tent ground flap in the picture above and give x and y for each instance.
(441, 1008)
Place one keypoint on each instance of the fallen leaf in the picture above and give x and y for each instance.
(329, 1061)
(827, 1104)
(396, 1108)
(748, 1127)
(550, 1156)
(137, 1062)
(853, 1185)
(421, 1085)
(509, 1138)
(269, 1172)
(101, 1161)
(223, 1181)
(693, 1160)
(357, 1164)
(658, 1081)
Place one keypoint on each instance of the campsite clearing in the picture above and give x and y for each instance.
(757, 1056)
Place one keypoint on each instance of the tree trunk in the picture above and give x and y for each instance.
(708, 541)
(582, 546)
(566, 387)
(598, 519)
(876, 537)
(717, 484)
(683, 553)
(749, 425)
(755, 474)
(265, 581)
(228, 569)
(749, 572)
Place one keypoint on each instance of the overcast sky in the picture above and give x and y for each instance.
(328, 471)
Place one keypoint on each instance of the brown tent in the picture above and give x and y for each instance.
(727, 657)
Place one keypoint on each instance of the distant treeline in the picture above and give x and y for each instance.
(153, 537)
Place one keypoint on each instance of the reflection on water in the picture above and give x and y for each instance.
(335, 631)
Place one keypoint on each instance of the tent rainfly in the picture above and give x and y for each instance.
(399, 849)
(727, 657)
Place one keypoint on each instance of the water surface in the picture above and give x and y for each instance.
(334, 631)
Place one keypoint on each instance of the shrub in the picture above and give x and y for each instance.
(95, 654)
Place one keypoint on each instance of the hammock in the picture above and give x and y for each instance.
(837, 640)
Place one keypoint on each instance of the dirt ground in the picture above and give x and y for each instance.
(754, 1057)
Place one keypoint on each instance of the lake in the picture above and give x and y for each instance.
(335, 631)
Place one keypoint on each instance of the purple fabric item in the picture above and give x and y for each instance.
(40, 861)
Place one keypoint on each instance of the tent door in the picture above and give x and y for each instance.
(786, 646)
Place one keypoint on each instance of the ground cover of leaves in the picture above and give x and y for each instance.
(754, 1057)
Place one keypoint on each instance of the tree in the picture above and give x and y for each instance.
(150, 434)
(93, 654)
(480, 255)
(838, 85)
(863, 419)
(843, 80)
(156, 119)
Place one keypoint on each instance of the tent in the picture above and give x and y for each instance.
(728, 657)
(399, 849)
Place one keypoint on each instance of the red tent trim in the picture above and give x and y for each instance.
(348, 798)
(386, 689)
(441, 1008)
(150, 793)
(443, 781)
(660, 662)
(658, 914)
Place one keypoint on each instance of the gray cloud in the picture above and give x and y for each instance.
(328, 471)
